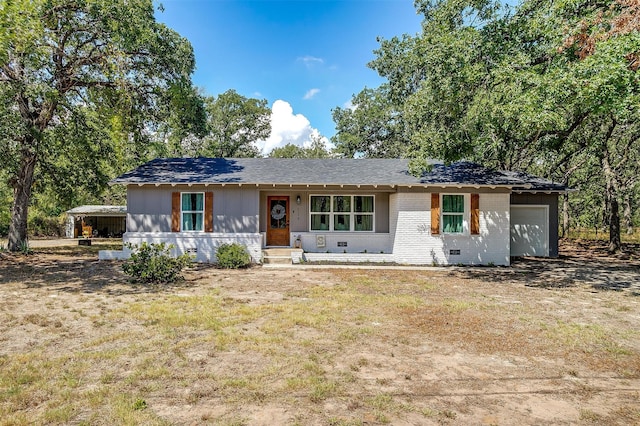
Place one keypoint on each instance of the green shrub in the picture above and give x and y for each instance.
(153, 263)
(40, 225)
(25, 248)
(233, 256)
(4, 227)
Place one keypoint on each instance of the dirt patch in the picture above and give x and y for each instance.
(581, 263)
(551, 341)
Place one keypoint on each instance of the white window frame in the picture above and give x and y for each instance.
(466, 203)
(182, 212)
(352, 213)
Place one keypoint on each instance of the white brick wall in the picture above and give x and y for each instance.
(348, 257)
(413, 243)
(206, 243)
(409, 216)
(357, 242)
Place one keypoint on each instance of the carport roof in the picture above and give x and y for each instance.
(95, 210)
(292, 171)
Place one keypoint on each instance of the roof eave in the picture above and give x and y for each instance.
(323, 184)
(544, 190)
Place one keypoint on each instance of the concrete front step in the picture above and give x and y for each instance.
(281, 256)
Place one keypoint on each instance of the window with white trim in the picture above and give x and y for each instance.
(341, 213)
(453, 214)
(192, 211)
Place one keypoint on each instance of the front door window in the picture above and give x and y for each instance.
(278, 214)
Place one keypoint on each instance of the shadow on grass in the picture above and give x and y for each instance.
(69, 269)
(581, 263)
(76, 269)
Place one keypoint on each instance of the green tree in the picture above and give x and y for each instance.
(234, 124)
(79, 62)
(316, 149)
(372, 127)
(288, 151)
(186, 124)
(539, 87)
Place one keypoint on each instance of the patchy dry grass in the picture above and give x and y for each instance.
(80, 345)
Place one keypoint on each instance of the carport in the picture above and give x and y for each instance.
(99, 221)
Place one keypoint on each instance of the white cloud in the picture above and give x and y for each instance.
(310, 94)
(349, 105)
(316, 133)
(311, 61)
(287, 127)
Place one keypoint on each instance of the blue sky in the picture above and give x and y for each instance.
(304, 57)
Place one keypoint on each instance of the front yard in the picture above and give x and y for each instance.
(542, 342)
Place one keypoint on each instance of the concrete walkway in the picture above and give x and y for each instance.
(355, 266)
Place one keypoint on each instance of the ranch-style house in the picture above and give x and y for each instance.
(349, 210)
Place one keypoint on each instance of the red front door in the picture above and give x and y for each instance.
(278, 220)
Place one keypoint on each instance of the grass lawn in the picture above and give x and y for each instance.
(537, 343)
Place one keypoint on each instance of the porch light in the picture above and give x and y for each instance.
(298, 200)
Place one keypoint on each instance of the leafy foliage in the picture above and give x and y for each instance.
(234, 123)
(152, 263)
(550, 88)
(233, 256)
(84, 84)
(371, 127)
(316, 149)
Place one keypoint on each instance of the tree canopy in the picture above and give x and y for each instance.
(546, 87)
(84, 85)
(316, 149)
(234, 123)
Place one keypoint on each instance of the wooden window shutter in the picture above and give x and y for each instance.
(175, 212)
(435, 213)
(208, 212)
(475, 214)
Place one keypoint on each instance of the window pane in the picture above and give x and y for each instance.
(341, 222)
(192, 221)
(452, 223)
(319, 222)
(191, 202)
(363, 222)
(278, 214)
(342, 204)
(453, 203)
(363, 204)
(320, 204)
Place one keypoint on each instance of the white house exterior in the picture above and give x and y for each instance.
(341, 210)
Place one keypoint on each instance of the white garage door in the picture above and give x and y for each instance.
(529, 230)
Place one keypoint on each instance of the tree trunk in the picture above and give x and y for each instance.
(565, 215)
(21, 195)
(612, 190)
(614, 226)
(628, 221)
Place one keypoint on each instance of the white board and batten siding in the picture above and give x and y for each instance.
(530, 230)
(235, 212)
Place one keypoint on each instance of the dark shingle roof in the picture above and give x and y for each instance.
(537, 183)
(321, 171)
